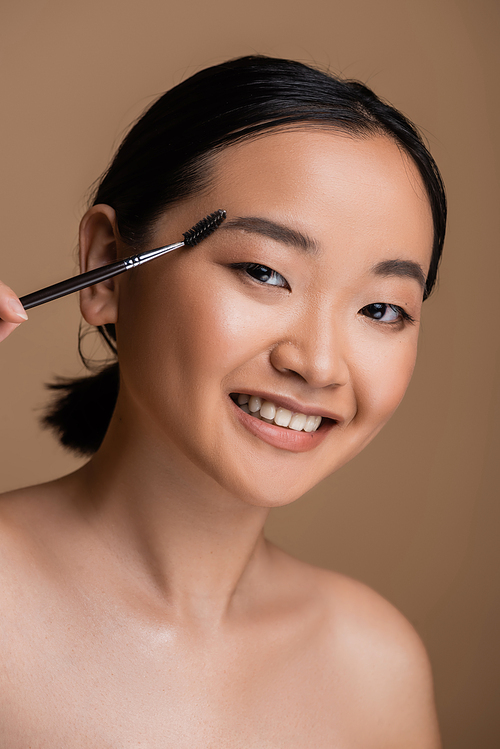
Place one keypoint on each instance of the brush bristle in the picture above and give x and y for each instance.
(204, 228)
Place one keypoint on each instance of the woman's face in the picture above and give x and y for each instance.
(308, 298)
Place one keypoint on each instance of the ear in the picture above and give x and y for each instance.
(99, 239)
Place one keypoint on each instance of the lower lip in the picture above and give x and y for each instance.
(281, 437)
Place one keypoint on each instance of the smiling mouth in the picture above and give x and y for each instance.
(269, 412)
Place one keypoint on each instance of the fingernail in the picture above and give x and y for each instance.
(18, 309)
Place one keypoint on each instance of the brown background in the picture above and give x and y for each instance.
(417, 515)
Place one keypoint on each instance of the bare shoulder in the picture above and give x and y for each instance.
(21, 571)
(26, 517)
(18, 508)
(388, 663)
(377, 655)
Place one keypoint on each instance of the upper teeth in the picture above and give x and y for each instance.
(268, 411)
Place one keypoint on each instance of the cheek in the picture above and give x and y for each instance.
(384, 378)
(189, 329)
(218, 327)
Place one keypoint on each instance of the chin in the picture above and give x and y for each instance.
(267, 488)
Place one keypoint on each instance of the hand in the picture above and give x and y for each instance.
(12, 312)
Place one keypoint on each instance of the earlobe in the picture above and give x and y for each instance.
(99, 239)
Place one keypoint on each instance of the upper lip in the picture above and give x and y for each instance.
(284, 401)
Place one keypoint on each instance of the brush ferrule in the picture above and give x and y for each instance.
(143, 257)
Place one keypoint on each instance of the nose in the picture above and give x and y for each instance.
(314, 351)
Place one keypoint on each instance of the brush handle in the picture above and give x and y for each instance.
(75, 284)
(194, 236)
(91, 277)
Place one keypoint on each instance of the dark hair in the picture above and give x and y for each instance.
(166, 157)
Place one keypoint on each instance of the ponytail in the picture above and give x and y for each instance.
(82, 409)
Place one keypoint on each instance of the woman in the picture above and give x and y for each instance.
(141, 603)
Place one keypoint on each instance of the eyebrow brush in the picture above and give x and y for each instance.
(194, 236)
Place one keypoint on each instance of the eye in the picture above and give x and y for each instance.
(386, 313)
(262, 274)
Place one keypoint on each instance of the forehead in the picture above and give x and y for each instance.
(344, 192)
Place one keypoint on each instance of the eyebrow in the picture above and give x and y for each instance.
(271, 229)
(401, 268)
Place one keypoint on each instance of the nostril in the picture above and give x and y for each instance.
(318, 366)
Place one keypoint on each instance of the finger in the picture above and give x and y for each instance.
(11, 309)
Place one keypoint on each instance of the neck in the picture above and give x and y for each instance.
(201, 548)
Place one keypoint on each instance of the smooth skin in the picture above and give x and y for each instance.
(141, 604)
